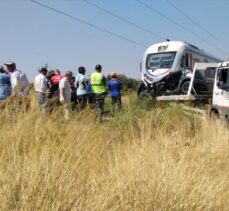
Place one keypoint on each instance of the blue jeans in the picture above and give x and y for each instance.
(41, 98)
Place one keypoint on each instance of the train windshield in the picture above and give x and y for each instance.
(160, 60)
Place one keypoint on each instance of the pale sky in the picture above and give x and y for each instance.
(32, 35)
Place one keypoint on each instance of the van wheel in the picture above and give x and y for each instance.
(184, 87)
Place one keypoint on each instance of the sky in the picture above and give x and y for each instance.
(33, 36)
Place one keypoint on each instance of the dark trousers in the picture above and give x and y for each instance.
(116, 101)
(91, 99)
(82, 100)
(99, 103)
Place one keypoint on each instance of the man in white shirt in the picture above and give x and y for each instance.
(65, 93)
(18, 79)
(40, 86)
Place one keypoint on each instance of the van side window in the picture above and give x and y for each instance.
(210, 73)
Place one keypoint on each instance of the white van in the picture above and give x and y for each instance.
(220, 99)
(167, 67)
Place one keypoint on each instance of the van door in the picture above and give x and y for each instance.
(209, 76)
(221, 88)
(198, 78)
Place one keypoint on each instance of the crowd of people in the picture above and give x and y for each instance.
(69, 90)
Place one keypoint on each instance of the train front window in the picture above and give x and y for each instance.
(160, 60)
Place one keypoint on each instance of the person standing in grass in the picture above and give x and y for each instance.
(114, 86)
(90, 95)
(98, 88)
(73, 95)
(54, 82)
(5, 86)
(81, 88)
(18, 80)
(41, 86)
(65, 93)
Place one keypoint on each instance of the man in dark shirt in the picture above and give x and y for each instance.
(114, 86)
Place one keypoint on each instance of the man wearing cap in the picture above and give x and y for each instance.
(40, 86)
(98, 88)
(18, 79)
(114, 86)
(65, 93)
(5, 86)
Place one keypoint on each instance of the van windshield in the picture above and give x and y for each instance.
(160, 60)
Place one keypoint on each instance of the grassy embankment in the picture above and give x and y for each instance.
(138, 160)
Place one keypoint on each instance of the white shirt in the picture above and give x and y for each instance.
(19, 83)
(40, 83)
(65, 84)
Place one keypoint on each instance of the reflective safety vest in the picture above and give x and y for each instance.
(97, 84)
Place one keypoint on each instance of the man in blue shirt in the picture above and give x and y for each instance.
(114, 87)
(81, 88)
(5, 85)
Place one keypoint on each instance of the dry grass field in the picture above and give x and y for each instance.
(140, 159)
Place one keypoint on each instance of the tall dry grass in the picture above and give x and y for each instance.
(158, 159)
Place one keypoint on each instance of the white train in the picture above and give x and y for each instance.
(167, 68)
